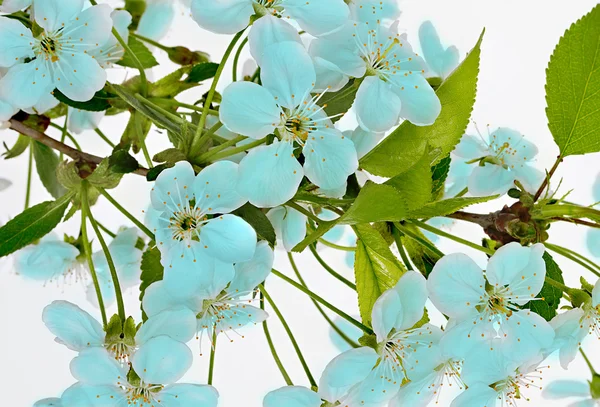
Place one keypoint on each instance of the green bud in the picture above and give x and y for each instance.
(580, 298)
(585, 285)
(184, 56)
(170, 155)
(595, 386)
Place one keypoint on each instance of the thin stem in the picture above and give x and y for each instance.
(29, 173)
(88, 254)
(557, 284)
(276, 358)
(213, 350)
(304, 211)
(236, 150)
(418, 239)
(66, 134)
(309, 375)
(575, 257)
(329, 269)
(103, 137)
(126, 213)
(211, 94)
(151, 42)
(106, 230)
(174, 102)
(237, 57)
(213, 151)
(146, 154)
(209, 133)
(462, 193)
(547, 178)
(337, 246)
(63, 134)
(587, 360)
(457, 239)
(314, 296)
(398, 239)
(578, 222)
(341, 333)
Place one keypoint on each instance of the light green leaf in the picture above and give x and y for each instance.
(46, 162)
(376, 203)
(439, 173)
(19, 148)
(548, 300)
(376, 269)
(423, 258)
(141, 51)
(415, 184)
(152, 271)
(406, 145)
(322, 228)
(32, 224)
(446, 207)
(104, 177)
(573, 87)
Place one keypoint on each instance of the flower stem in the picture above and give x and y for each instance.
(196, 143)
(309, 375)
(29, 173)
(103, 137)
(457, 239)
(329, 269)
(151, 42)
(557, 284)
(106, 230)
(398, 239)
(88, 253)
(462, 193)
(237, 57)
(337, 246)
(547, 178)
(236, 150)
(127, 214)
(341, 333)
(418, 239)
(63, 134)
(213, 151)
(587, 360)
(213, 350)
(575, 257)
(314, 296)
(284, 373)
(304, 211)
(146, 153)
(209, 133)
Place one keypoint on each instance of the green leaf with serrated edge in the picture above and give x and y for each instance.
(202, 72)
(376, 269)
(548, 300)
(171, 85)
(170, 155)
(152, 271)
(376, 203)
(322, 228)
(341, 101)
(153, 173)
(67, 174)
(407, 144)
(422, 258)
(446, 207)
(121, 162)
(98, 103)
(258, 220)
(46, 163)
(415, 184)
(439, 173)
(32, 224)
(104, 177)
(136, 131)
(573, 87)
(142, 53)
(19, 148)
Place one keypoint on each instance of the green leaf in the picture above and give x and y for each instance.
(415, 184)
(121, 162)
(152, 271)
(447, 206)
(422, 258)
(202, 72)
(153, 173)
(549, 298)
(375, 268)
(376, 203)
(170, 155)
(99, 103)
(136, 131)
(32, 224)
(406, 145)
(46, 162)
(439, 173)
(104, 177)
(258, 220)
(573, 87)
(19, 148)
(340, 101)
(141, 51)
(322, 228)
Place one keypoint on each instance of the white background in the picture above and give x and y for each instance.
(519, 40)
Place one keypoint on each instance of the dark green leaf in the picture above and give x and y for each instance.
(21, 17)
(153, 173)
(202, 72)
(152, 271)
(142, 52)
(573, 87)
(340, 101)
(121, 162)
(549, 298)
(406, 145)
(439, 173)
(18, 149)
(423, 258)
(258, 220)
(46, 162)
(170, 155)
(98, 103)
(31, 225)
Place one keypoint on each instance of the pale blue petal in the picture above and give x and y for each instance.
(51, 402)
(478, 395)
(249, 274)
(463, 335)
(386, 314)
(380, 385)
(330, 158)
(78, 76)
(336, 193)
(337, 232)
(269, 30)
(471, 148)
(570, 329)
(215, 188)
(6, 111)
(179, 324)
(416, 394)
(82, 395)
(487, 365)
(96, 367)
(350, 330)
(490, 179)
(530, 177)
(596, 189)
(526, 334)
(92, 27)
(52, 14)
(412, 291)
(420, 104)
(25, 84)
(46, 102)
(112, 51)
(162, 360)
(456, 285)
(187, 395)
(329, 77)
(173, 187)
(157, 299)
(377, 105)
(364, 141)
(222, 16)
(10, 6)
(249, 109)
(15, 42)
(596, 294)
(289, 225)
(81, 120)
(318, 18)
(341, 57)
(49, 259)
(441, 61)
(520, 268)
(288, 73)
(374, 10)
(512, 146)
(560, 389)
(345, 371)
(229, 238)
(292, 396)
(156, 20)
(237, 316)
(73, 327)
(270, 175)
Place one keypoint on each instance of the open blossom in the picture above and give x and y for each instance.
(10, 6)
(564, 389)
(230, 16)
(483, 307)
(59, 57)
(49, 260)
(441, 61)
(497, 163)
(157, 18)
(270, 175)
(292, 396)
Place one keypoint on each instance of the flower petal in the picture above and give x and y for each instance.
(593, 244)
(289, 225)
(470, 148)
(560, 389)
(157, 299)
(81, 120)
(92, 27)
(490, 179)
(292, 396)
(73, 327)
(25, 84)
(156, 20)
(184, 395)
(420, 104)
(15, 42)
(377, 105)
(79, 76)
(318, 18)
(215, 188)
(527, 333)
(49, 259)
(179, 324)
(96, 367)
(341, 55)
(249, 109)
(441, 61)
(229, 238)
(570, 327)
(162, 360)
(596, 294)
(6, 111)
(270, 175)
(10, 6)
(412, 292)
(52, 14)
(173, 187)
(82, 395)
(386, 314)
(269, 30)
(364, 141)
(530, 177)
(249, 274)
(222, 16)
(477, 395)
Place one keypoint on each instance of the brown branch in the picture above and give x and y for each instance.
(63, 148)
(482, 220)
(578, 222)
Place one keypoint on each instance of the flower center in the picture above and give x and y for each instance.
(50, 46)
(121, 351)
(186, 223)
(143, 394)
